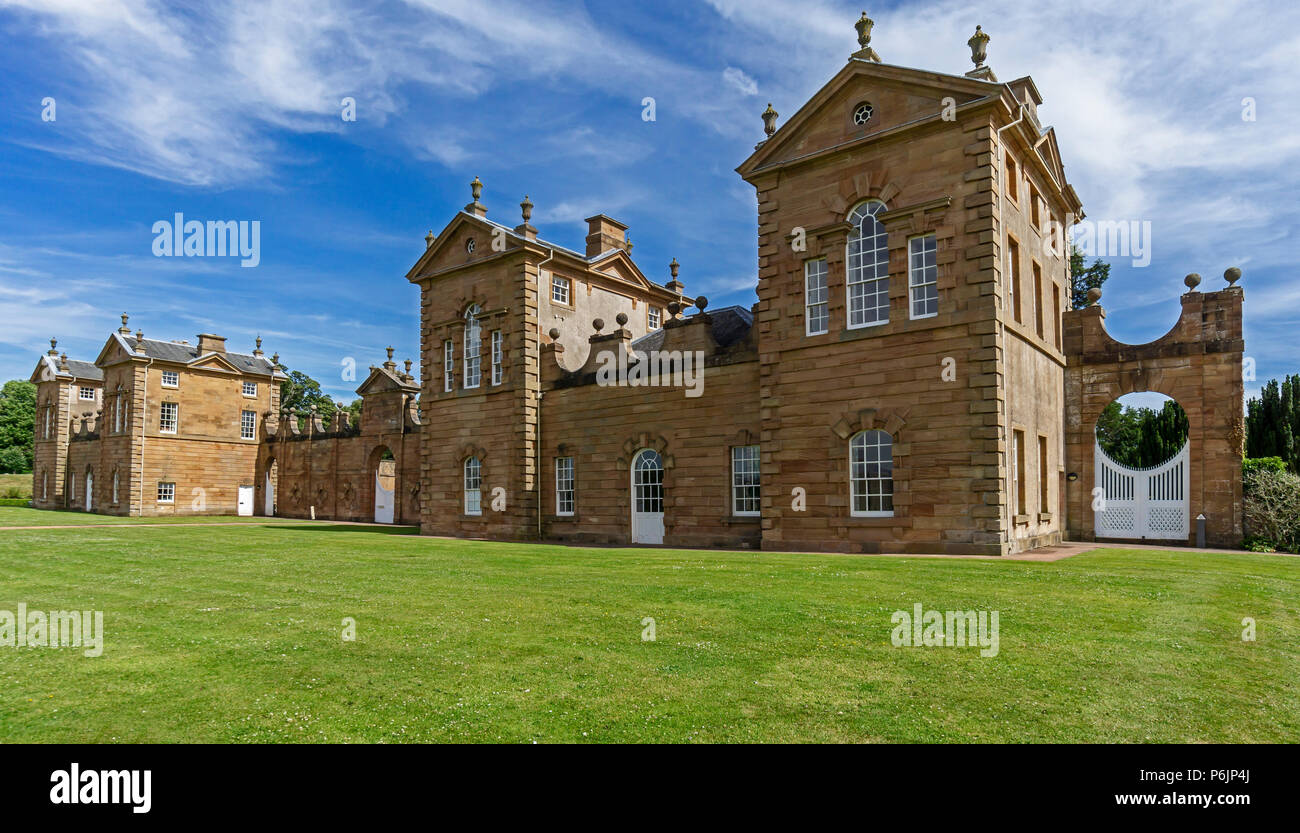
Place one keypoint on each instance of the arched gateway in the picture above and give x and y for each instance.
(1199, 364)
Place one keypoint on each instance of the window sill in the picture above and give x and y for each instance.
(1020, 519)
(867, 325)
(1044, 517)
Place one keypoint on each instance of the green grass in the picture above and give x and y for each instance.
(16, 486)
(232, 634)
(24, 516)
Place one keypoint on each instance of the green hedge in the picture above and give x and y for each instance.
(15, 501)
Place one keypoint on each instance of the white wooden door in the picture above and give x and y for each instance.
(1142, 503)
(245, 500)
(383, 502)
(647, 498)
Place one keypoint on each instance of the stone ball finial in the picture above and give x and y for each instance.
(599, 324)
(476, 188)
(527, 208)
(1094, 295)
(769, 119)
(621, 318)
(1192, 281)
(701, 302)
(1232, 275)
(554, 333)
(978, 44)
(674, 308)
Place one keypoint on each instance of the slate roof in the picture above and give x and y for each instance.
(170, 351)
(79, 369)
(730, 324)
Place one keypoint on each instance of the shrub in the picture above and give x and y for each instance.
(1250, 464)
(13, 460)
(1272, 509)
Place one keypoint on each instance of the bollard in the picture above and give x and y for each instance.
(1200, 531)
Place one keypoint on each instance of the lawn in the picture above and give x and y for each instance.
(232, 634)
(11, 516)
(16, 486)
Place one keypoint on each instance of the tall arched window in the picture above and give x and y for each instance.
(45, 485)
(115, 481)
(871, 474)
(867, 271)
(473, 347)
(473, 486)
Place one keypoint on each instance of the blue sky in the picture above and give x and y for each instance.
(231, 111)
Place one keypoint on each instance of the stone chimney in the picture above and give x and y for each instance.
(605, 233)
(209, 343)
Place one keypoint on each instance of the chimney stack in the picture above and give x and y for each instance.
(605, 233)
(209, 343)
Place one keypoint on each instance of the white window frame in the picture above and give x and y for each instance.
(654, 318)
(249, 389)
(117, 414)
(166, 492)
(816, 299)
(866, 273)
(565, 494)
(561, 289)
(175, 379)
(473, 483)
(448, 366)
(858, 474)
(473, 350)
(175, 409)
(498, 355)
(49, 414)
(744, 479)
(922, 277)
(115, 483)
(45, 485)
(248, 425)
(83, 390)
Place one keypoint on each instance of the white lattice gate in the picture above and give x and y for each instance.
(1142, 503)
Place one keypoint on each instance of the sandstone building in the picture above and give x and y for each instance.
(910, 379)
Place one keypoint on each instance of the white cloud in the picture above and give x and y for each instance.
(742, 82)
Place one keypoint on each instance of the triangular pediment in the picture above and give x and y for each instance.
(46, 370)
(114, 351)
(214, 361)
(451, 248)
(620, 265)
(899, 98)
(382, 380)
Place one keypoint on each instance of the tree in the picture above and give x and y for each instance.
(1084, 278)
(1273, 422)
(13, 461)
(18, 420)
(299, 392)
(1142, 437)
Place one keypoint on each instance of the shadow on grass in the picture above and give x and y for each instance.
(378, 528)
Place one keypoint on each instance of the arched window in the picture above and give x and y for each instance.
(867, 271)
(115, 480)
(45, 485)
(648, 482)
(473, 346)
(871, 474)
(473, 486)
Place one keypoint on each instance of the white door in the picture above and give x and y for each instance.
(383, 502)
(269, 508)
(90, 489)
(647, 498)
(245, 500)
(1142, 503)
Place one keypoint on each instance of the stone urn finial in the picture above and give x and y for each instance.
(1094, 296)
(865, 51)
(672, 270)
(54, 346)
(979, 47)
(428, 239)
(769, 119)
(476, 188)
(527, 208)
(1192, 281)
(408, 364)
(1232, 275)
(390, 353)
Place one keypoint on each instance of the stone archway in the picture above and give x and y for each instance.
(1198, 364)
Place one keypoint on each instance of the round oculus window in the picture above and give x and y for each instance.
(862, 113)
(469, 246)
